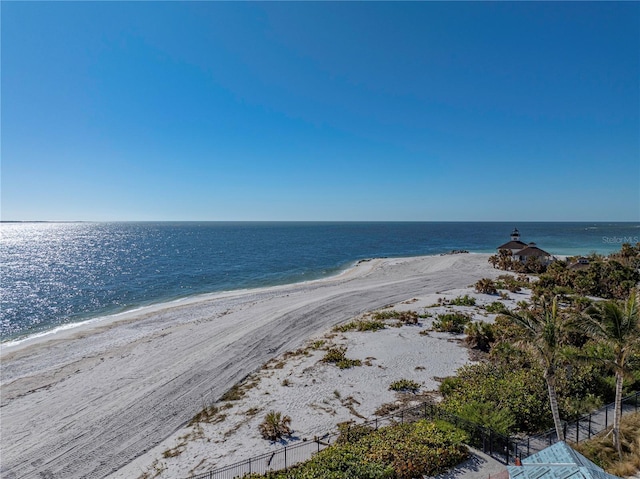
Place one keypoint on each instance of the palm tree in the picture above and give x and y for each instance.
(545, 332)
(617, 326)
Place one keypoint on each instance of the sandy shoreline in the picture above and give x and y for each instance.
(87, 401)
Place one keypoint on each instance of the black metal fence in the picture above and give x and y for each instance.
(481, 437)
(503, 448)
(581, 429)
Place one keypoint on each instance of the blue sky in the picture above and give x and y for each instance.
(321, 111)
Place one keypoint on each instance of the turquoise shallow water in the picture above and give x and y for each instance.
(57, 273)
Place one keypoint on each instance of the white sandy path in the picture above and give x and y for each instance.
(85, 402)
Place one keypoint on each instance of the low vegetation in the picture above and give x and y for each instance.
(361, 325)
(406, 317)
(275, 426)
(402, 451)
(480, 335)
(495, 307)
(451, 322)
(338, 357)
(561, 348)
(602, 451)
(465, 300)
(486, 286)
(405, 385)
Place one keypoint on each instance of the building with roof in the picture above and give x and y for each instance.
(531, 250)
(558, 461)
(515, 244)
(522, 251)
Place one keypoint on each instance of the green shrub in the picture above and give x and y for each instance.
(495, 307)
(405, 385)
(337, 356)
(506, 281)
(465, 300)
(394, 452)
(486, 286)
(451, 322)
(520, 393)
(275, 426)
(361, 325)
(407, 317)
(485, 413)
(480, 335)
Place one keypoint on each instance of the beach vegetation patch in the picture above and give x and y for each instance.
(361, 325)
(495, 307)
(402, 451)
(209, 415)
(173, 452)
(603, 452)
(275, 426)
(510, 283)
(406, 317)
(404, 385)
(486, 286)
(451, 322)
(520, 393)
(480, 335)
(236, 393)
(338, 357)
(465, 300)
(318, 344)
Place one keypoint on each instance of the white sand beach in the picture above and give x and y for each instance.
(109, 397)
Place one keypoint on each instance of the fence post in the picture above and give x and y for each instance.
(577, 430)
(529, 443)
(249, 465)
(490, 441)
(285, 457)
(589, 426)
(606, 416)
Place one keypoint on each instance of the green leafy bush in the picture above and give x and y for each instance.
(451, 322)
(361, 325)
(486, 286)
(480, 335)
(520, 393)
(275, 426)
(407, 317)
(395, 452)
(337, 356)
(465, 300)
(495, 307)
(405, 385)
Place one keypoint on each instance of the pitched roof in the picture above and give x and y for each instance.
(512, 245)
(558, 462)
(532, 250)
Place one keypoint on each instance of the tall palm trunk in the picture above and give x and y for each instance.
(553, 402)
(617, 413)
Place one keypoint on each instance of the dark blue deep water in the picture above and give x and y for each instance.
(57, 273)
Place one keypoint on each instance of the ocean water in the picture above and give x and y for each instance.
(53, 274)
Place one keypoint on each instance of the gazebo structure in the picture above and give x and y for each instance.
(558, 461)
